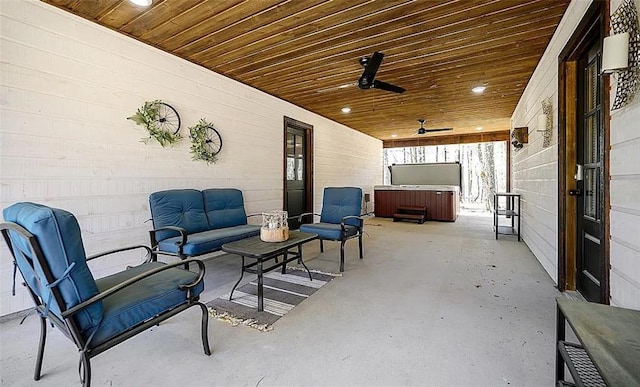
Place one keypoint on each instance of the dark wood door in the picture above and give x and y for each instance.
(589, 178)
(297, 170)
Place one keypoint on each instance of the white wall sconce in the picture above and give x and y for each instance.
(621, 53)
(544, 122)
(615, 53)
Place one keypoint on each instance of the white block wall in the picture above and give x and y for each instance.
(534, 168)
(625, 199)
(66, 88)
(535, 173)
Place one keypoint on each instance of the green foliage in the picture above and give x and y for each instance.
(147, 116)
(199, 146)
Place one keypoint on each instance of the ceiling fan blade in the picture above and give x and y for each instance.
(335, 88)
(437, 130)
(370, 70)
(387, 86)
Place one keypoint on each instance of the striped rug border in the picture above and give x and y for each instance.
(281, 294)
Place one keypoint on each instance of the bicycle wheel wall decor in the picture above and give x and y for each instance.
(206, 142)
(161, 120)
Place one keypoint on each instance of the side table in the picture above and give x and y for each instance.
(511, 210)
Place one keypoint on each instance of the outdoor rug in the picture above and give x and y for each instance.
(282, 292)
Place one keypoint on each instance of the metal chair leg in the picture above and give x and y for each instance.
(360, 245)
(342, 256)
(43, 339)
(84, 369)
(205, 329)
(321, 246)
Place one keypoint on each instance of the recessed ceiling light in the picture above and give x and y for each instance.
(479, 128)
(346, 109)
(394, 135)
(142, 3)
(478, 89)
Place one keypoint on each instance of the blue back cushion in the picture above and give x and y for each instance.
(225, 207)
(338, 202)
(178, 207)
(58, 235)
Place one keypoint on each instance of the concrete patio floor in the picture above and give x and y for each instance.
(437, 304)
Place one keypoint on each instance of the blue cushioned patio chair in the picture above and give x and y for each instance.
(340, 218)
(96, 314)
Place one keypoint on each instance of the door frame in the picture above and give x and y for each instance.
(308, 162)
(595, 20)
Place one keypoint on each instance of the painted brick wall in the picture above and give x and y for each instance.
(66, 88)
(535, 173)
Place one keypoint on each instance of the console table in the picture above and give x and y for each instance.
(255, 248)
(609, 346)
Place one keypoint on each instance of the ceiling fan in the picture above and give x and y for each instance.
(368, 81)
(422, 130)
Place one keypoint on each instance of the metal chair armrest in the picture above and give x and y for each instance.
(108, 292)
(105, 253)
(343, 224)
(303, 215)
(182, 242)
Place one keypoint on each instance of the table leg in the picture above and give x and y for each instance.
(495, 214)
(560, 336)
(260, 294)
(302, 261)
(513, 218)
(519, 213)
(284, 262)
(239, 279)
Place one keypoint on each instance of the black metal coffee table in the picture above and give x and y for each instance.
(261, 251)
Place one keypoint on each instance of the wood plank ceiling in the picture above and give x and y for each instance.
(307, 52)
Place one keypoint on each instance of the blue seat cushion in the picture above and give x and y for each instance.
(208, 241)
(142, 300)
(180, 208)
(58, 235)
(224, 207)
(329, 230)
(338, 202)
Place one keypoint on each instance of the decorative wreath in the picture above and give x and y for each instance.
(206, 142)
(160, 120)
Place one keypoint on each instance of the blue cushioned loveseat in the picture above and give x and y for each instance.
(188, 222)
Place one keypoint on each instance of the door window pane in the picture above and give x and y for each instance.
(299, 158)
(291, 168)
(291, 161)
(591, 86)
(591, 193)
(591, 150)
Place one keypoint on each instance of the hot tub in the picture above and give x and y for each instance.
(442, 201)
